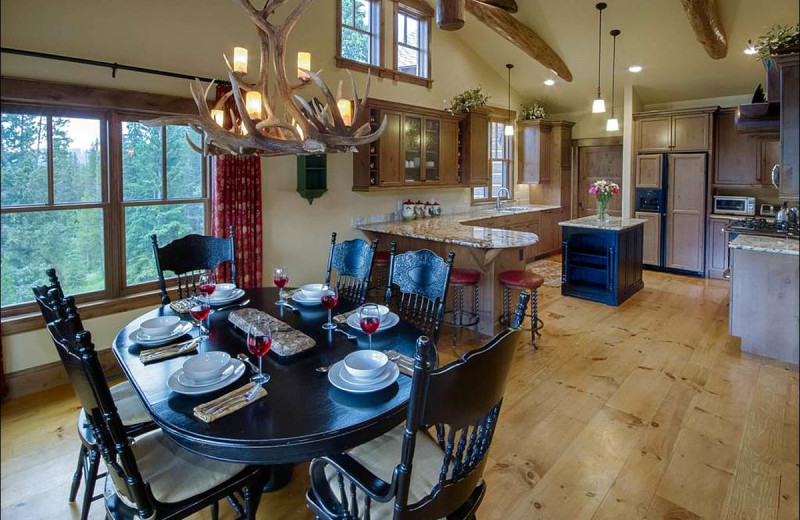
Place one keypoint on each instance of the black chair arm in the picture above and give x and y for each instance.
(373, 486)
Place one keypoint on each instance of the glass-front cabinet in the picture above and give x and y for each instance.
(432, 150)
(421, 149)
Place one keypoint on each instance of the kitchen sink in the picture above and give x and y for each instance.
(513, 209)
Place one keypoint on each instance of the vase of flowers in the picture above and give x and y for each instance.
(532, 110)
(603, 190)
(468, 100)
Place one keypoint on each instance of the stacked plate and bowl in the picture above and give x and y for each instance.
(206, 372)
(363, 371)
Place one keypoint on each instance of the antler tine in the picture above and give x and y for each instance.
(255, 15)
(363, 106)
(356, 110)
(237, 97)
(337, 118)
(309, 114)
(196, 148)
(291, 20)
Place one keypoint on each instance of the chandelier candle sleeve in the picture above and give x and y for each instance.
(303, 64)
(345, 110)
(219, 116)
(253, 104)
(240, 60)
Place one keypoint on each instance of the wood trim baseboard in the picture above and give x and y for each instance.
(51, 375)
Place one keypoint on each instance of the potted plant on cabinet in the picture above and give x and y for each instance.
(531, 111)
(468, 100)
(778, 40)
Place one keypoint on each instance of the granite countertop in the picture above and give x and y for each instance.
(613, 223)
(776, 245)
(456, 229)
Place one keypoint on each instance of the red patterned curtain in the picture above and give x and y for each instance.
(236, 201)
(3, 388)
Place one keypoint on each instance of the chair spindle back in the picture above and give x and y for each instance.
(352, 261)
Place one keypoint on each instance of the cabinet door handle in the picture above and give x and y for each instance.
(776, 175)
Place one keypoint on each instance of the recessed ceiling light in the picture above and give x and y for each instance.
(549, 82)
(750, 50)
(635, 68)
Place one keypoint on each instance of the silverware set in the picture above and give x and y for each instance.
(402, 361)
(233, 305)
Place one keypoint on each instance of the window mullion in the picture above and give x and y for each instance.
(164, 163)
(49, 151)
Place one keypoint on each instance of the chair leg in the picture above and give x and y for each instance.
(535, 321)
(215, 511)
(252, 497)
(76, 478)
(90, 480)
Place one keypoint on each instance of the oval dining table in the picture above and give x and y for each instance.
(302, 416)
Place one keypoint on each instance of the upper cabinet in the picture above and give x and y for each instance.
(475, 148)
(789, 183)
(419, 147)
(737, 155)
(676, 131)
(541, 150)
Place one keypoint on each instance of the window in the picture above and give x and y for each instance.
(500, 164)
(82, 191)
(411, 35)
(358, 31)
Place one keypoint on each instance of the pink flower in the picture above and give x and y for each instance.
(615, 190)
(593, 189)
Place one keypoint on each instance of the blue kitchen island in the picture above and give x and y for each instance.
(602, 261)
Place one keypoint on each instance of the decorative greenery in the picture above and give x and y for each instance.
(780, 39)
(469, 99)
(532, 110)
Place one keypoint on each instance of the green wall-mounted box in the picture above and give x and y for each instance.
(312, 176)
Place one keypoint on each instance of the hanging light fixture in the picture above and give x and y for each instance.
(599, 106)
(612, 125)
(509, 127)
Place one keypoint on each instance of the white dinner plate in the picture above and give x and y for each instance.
(174, 381)
(302, 299)
(391, 320)
(189, 382)
(335, 378)
(350, 379)
(138, 337)
(233, 296)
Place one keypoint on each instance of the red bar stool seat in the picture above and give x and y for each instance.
(459, 317)
(522, 281)
(381, 269)
(382, 258)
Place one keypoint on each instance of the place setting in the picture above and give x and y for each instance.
(363, 371)
(159, 331)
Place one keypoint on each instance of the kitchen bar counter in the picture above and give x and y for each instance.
(777, 245)
(456, 229)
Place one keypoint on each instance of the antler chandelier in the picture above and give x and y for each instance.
(258, 126)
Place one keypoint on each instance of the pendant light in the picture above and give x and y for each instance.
(599, 106)
(612, 125)
(509, 127)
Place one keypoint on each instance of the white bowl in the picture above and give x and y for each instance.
(159, 327)
(206, 366)
(224, 290)
(312, 290)
(383, 309)
(365, 363)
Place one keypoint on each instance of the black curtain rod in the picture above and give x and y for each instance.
(113, 66)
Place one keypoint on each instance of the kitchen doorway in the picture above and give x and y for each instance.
(595, 159)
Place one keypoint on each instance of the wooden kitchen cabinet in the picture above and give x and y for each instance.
(534, 144)
(391, 144)
(654, 134)
(769, 156)
(685, 229)
(717, 255)
(651, 240)
(475, 155)
(449, 153)
(737, 155)
(674, 131)
(691, 132)
(789, 185)
(648, 171)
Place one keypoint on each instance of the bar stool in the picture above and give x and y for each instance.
(381, 263)
(522, 280)
(460, 278)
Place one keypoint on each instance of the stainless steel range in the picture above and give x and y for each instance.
(764, 227)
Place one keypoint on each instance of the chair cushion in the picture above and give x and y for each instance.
(381, 455)
(460, 276)
(520, 279)
(382, 258)
(173, 473)
(130, 407)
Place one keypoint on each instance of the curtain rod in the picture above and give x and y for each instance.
(107, 64)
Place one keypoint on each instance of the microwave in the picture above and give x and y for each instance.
(729, 205)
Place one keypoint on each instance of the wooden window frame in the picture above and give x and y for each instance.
(89, 102)
(498, 117)
(376, 35)
(424, 13)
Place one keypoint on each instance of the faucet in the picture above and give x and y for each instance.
(497, 204)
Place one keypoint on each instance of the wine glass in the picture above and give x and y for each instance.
(259, 341)
(329, 300)
(280, 276)
(199, 311)
(369, 317)
(207, 282)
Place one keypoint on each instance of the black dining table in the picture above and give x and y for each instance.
(303, 416)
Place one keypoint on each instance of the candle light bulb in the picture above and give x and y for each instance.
(345, 110)
(303, 64)
(218, 115)
(252, 101)
(240, 60)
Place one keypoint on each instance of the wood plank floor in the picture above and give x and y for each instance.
(644, 411)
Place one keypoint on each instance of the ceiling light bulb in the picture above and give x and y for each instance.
(635, 68)
(598, 106)
(549, 82)
(750, 50)
(612, 125)
(509, 130)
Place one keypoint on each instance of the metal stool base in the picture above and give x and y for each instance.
(458, 314)
(536, 324)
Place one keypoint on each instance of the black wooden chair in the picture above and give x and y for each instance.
(417, 287)
(134, 417)
(188, 256)
(352, 261)
(406, 473)
(149, 477)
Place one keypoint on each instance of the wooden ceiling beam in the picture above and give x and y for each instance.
(516, 32)
(705, 21)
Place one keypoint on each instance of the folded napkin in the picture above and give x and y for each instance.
(290, 293)
(286, 341)
(169, 351)
(182, 306)
(228, 403)
(404, 363)
(340, 319)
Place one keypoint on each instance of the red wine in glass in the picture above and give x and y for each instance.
(207, 288)
(259, 345)
(281, 281)
(329, 300)
(369, 317)
(370, 324)
(207, 283)
(280, 277)
(200, 311)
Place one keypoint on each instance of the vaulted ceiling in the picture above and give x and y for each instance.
(656, 34)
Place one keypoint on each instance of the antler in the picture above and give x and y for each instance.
(303, 127)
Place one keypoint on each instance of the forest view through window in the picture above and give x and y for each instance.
(59, 207)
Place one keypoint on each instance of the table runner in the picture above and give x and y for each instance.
(286, 341)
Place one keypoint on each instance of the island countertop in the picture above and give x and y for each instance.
(456, 229)
(776, 245)
(612, 224)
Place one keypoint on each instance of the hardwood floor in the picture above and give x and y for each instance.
(643, 411)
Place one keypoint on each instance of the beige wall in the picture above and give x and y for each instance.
(190, 36)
